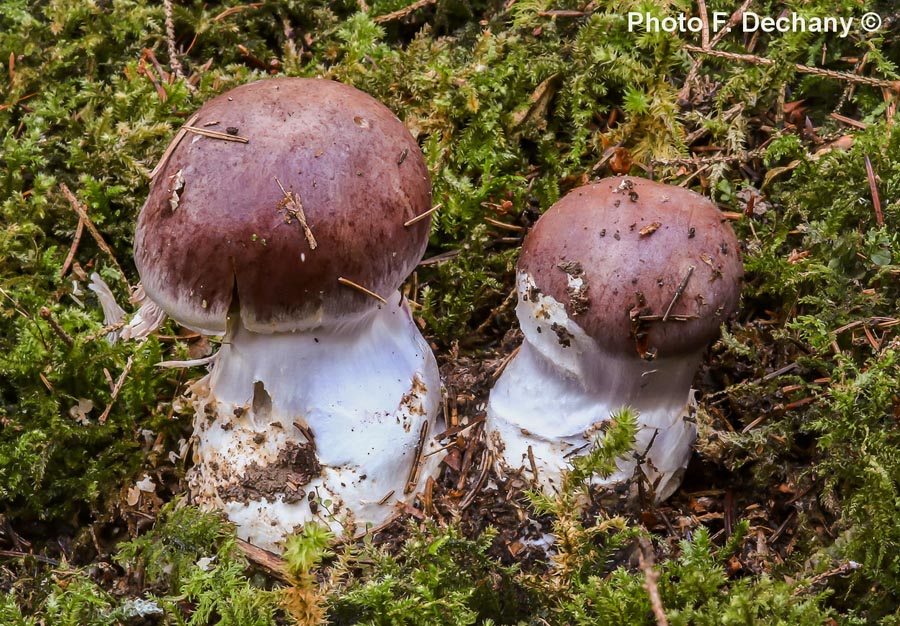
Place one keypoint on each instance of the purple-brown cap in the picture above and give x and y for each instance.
(642, 267)
(320, 190)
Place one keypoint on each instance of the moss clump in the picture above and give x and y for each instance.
(513, 104)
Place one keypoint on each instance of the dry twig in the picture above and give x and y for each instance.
(171, 147)
(423, 215)
(399, 14)
(81, 210)
(358, 287)
(215, 134)
(173, 51)
(651, 577)
(47, 315)
(873, 188)
(268, 561)
(72, 249)
(232, 10)
(116, 389)
(803, 69)
(294, 209)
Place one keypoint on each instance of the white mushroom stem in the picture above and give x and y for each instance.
(557, 392)
(325, 415)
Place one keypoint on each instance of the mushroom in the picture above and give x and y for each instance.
(280, 219)
(622, 285)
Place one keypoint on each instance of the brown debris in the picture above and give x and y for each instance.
(293, 208)
(81, 210)
(293, 468)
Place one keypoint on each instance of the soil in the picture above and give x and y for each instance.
(294, 467)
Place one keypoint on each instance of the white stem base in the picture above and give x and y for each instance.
(558, 390)
(317, 425)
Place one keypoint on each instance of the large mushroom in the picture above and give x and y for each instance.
(280, 218)
(622, 285)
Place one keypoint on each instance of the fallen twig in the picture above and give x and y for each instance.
(358, 287)
(873, 187)
(401, 13)
(72, 249)
(215, 134)
(651, 577)
(268, 561)
(173, 51)
(423, 215)
(81, 210)
(803, 69)
(486, 461)
(171, 147)
(47, 315)
(232, 10)
(116, 389)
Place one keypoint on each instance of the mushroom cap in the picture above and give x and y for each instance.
(224, 220)
(619, 250)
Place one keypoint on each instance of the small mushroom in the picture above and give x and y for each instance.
(322, 400)
(613, 321)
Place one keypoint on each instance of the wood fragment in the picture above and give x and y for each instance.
(3, 107)
(704, 24)
(423, 215)
(486, 461)
(873, 188)
(799, 403)
(428, 497)
(647, 560)
(672, 318)
(849, 121)
(270, 562)
(117, 388)
(562, 13)
(214, 134)
(233, 10)
(534, 469)
(503, 225)
(72, 249)
(109, 328)
(497, 310)
(14, 554)
(455, 430)
(142, 69)
(47, 315)
(695, 67)
(308, 433)
(802, 69)
(46, 382)
(842, 570)
(294, 208)
(171, 147)
(387, 496)
(401, 13)
(505, 362)
(678, 293)
(466, 463)
(439, 258)
(413, 478)
(649, 229)
(358, 287)
(81, 210)
(173, 50)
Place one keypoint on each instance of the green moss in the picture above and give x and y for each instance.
(514, 104)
